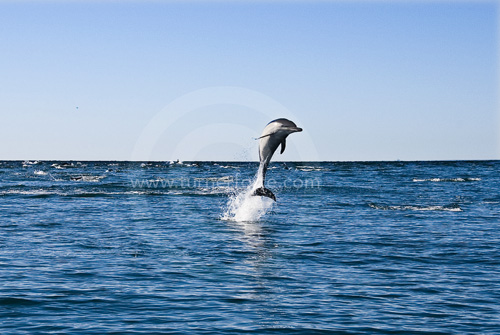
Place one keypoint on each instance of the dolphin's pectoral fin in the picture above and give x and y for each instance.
(283, 145)
(264, 192)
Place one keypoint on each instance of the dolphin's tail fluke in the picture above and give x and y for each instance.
(265, 192)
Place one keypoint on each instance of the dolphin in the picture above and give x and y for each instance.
(274, 134)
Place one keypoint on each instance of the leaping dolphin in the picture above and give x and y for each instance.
(274, 134)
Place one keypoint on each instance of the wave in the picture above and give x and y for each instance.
(43, 193)
(226, 179)
(181, 163)
(40, 173)
(28, 163)
(226, 166)
(219, 190)
(104, 192)
(40, 193)
(449, 180)
(308, 168)
(15, 302)
(87, 178)
(62, 166)
(447, 208)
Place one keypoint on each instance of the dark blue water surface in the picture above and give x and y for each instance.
(349, 248)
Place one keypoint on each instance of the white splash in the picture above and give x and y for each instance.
(245, 207)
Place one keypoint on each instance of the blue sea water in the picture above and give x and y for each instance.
(178, 248)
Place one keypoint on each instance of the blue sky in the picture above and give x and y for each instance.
(161, 80)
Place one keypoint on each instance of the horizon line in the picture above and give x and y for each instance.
(252, 161)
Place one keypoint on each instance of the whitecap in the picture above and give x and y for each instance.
(308, 168)
(449, 180)
(38, 192)
(135, 192)
(214, 190)
(226, 179)
(449, 208)
(87, 178)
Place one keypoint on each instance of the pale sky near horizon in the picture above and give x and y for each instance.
(199, 80)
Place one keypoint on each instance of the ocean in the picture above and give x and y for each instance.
(181, 248)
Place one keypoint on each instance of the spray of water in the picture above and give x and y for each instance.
(245, 207)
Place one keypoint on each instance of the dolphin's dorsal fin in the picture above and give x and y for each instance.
(283, 145)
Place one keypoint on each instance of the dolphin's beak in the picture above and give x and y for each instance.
(296, 129)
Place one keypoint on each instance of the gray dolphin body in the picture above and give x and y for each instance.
(274, 134)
